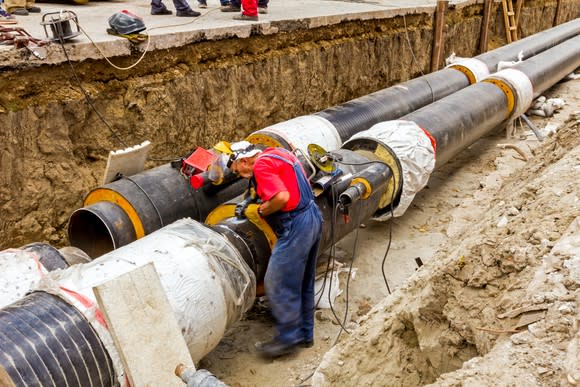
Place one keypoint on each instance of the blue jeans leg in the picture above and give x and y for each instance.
(289, 278)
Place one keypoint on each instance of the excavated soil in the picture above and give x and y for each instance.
(54, 145)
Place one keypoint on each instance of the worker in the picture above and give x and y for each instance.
(287, 203)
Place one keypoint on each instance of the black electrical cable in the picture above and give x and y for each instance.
(90, 102)
(87, 98)
(148, 197)
(390, 221)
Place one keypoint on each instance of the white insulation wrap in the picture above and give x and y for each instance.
(305, 130)
(521, 86)
(415, 153)
(21, 271)
(207, 282)
(475, 67)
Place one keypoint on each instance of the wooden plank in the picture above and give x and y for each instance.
(518, 10)
(484, 35)
(438, 36)
(558, 13)
(143, 328)
(506, 21)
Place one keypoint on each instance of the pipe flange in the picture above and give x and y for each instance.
(474, 69)
(517, 87)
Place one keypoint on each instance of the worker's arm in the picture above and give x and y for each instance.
(276, 203)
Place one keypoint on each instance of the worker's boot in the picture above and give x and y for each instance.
(276, 348)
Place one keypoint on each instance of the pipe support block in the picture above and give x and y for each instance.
(474, 69)
(517, 87)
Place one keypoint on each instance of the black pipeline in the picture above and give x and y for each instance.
(383, 146)
(123, 211)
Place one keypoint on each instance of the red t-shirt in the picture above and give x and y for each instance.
(274, 176)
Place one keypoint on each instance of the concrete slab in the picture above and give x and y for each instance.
(169, 31)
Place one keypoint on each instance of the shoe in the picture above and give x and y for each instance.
(230, 8)
(6, 18)
(263, 10)
(33, 9)
(202, 4)
(163, 11)
(307, 344)
(245, 17)
(276, 348)
(19, 12)
(188, 13)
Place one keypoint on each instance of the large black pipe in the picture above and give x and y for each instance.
(253, 245)
(67, 342)
(458, 120)
(129, 208)
(147, 201)
(391, 103)
(45, 341)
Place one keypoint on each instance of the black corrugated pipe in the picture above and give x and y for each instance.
(394, 102)
(45, 341)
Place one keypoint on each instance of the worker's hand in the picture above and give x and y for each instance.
(241, 208)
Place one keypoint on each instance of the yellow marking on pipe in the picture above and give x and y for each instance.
(107, 195)
(468, 73)
(507, 90)
(263, 139)
(368, 189)
(228, 210)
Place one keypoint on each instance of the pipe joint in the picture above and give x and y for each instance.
(517, 87)
(474, 69)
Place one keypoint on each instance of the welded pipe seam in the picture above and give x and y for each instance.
(474, 69)
(521, 90)
(415, 152)
(302, 131)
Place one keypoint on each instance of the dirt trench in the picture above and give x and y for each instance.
(54, 145)
(497, 303)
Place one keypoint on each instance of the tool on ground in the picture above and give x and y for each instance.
(21, 39)
(60, 25)
(127, 25)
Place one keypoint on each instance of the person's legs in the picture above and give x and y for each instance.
(182, 8)
(283, 283)
(158, 8)
(308, 294)
(233, 6)
(12, 5)
(263, 6)
(250, 8)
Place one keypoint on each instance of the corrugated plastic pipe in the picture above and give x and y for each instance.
(125, 210)
(45, 341)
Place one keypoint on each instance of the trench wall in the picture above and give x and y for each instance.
(54, 146)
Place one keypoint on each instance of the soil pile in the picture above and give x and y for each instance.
(500, 299)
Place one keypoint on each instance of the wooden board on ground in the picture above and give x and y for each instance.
(143, 328)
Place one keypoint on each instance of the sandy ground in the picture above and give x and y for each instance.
(442, 215)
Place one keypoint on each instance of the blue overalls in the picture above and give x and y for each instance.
(289, 279)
